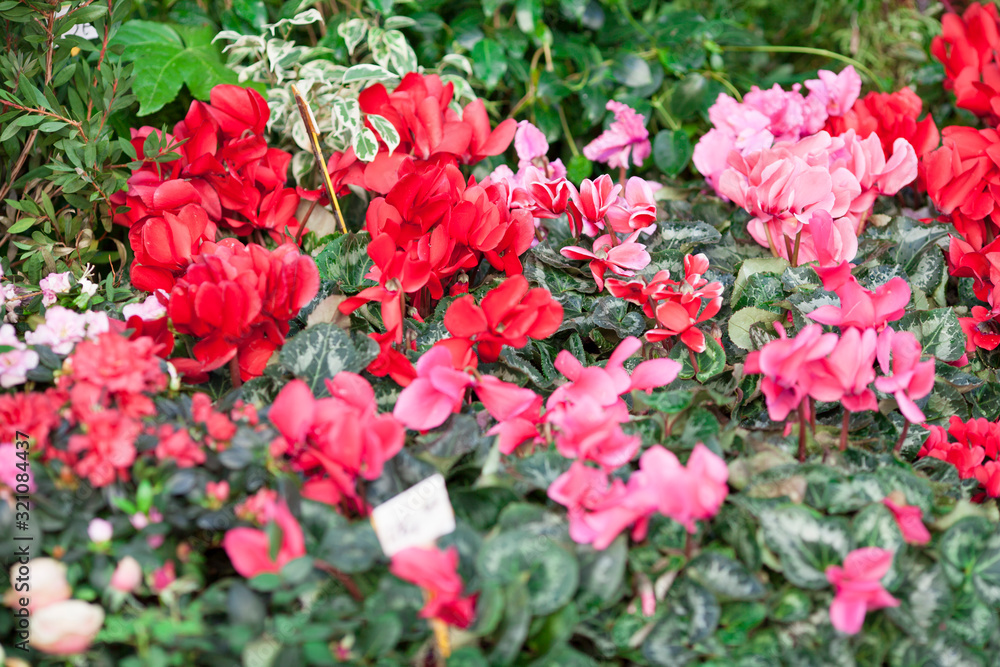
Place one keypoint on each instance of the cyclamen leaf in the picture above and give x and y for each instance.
(805, 542)
(938, 331)
(742, 320)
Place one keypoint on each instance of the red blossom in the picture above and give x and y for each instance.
(509, 315)
(237, 300)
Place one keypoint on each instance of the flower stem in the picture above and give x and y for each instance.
(767, 48)
(902, 436)
(802, 433)
(795, 252)
(234, 372)
(844, 428)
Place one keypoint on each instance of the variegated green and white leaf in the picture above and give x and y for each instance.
(368, 73)
(385, 131)
(806, 543)
(353, 32)
(365, 145)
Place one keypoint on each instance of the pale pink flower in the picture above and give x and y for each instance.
(529, 142)
(911, 378)
(149, 310)
(127, 575)
(54, 283)
(61, 331)
(836, 93)
(626, 137)
(16, 363)
(623, 259)
(909, 518)
(48, 584)
(859, 588)
(876, 174)
(66, 628)
(99, 530)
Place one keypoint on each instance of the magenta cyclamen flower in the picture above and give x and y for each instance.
(786, 364)
(626, 137)
(859, 307)
(529, 142)
(909, 518)
(439, 389)
(859, 587)
(845, 375)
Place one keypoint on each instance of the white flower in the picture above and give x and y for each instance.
(87, 287)
(147, 311)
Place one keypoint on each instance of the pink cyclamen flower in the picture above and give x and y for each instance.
(439, 389)
(529, 142)
(859, 588)
(679, 318)
(249, 549)
(606, 384)
(846, 373)
(637, 210)
(837, 93)
(623, 259)
(911, 378)
(786, 364)
(218, 491)
(626, 137)
(859, 307)
(436, 572)
(909, 518)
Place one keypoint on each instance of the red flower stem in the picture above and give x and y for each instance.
(621, 176)
(770, 241)
(352, 588)
(788, 248)
(902, 436)
(302, 224)
(795, 251)
(802, 434)
(234, 372)
(844, 428)
(694, 360)
(812, 415)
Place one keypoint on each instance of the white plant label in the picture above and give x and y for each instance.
(414, 518)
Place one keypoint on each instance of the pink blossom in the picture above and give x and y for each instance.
(99, 530)
(439, 389)
(909, 518)
(786, 366)
(218, 491)
(127, 575)
(623, 259)
(16, 363)
(529, 142)
(9, 470)
(637, 210)
(859, 588)
(860, 307)
(846, 373)
(166, 574)
(249, 549)
(61, 331)
(911, 378)
(54, 283)
(65, 628)
(836, 93)
(876, 174)
(828, 241)
(591, 204)
(588, 431)
(626, 135)
(606, 384)
(149, 310)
